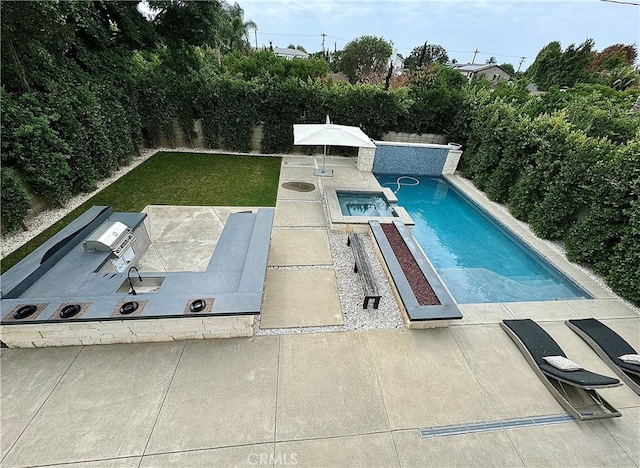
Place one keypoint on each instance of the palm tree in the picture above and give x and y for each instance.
(237, 29)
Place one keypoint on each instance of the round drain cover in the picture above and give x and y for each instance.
(299, 186)
(128, 307)
(70, 310)
(198, 305)
(24, 311)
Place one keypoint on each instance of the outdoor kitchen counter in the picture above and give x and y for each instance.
(73, 279)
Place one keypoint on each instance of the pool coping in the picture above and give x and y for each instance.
(337, 218)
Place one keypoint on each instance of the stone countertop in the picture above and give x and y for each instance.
(74, 278)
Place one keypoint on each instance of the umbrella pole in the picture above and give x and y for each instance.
(324, 157)
(323, 172)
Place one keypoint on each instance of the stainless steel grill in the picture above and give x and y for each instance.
(113, 237)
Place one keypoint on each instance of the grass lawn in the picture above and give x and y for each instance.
(187, 179)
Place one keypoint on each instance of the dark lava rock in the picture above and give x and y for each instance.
(419, 284)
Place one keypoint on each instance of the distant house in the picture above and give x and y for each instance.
(290, 54)
(490, 71)
(338, 77)
(397, 61)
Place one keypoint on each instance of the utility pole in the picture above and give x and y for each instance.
(473, 60)
(323, 36)
(255, 33)
(522, 59)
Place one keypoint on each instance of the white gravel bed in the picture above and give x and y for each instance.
(387, 315)
(350, 291)
(43, 220)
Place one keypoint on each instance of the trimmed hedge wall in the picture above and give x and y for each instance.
(559, 172)
(230, 107)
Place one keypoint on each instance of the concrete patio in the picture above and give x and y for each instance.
(346, 398)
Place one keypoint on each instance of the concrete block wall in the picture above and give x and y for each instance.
(403, 137)
(125, 331)
(256, 138)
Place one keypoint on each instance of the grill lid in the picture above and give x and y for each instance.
(107, 237)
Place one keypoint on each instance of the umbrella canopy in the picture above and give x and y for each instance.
(329, 134)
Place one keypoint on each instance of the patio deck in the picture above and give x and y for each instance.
(347, 398)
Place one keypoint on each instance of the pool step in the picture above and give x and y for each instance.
(511, 289)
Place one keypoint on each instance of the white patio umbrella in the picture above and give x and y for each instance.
(329, 134)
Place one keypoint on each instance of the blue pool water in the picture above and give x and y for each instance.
(478, 259)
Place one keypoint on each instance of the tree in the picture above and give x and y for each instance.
(508, 68)
(40, 39)
(365, 58)
(554, 67)
(236, 32)
(265, 64)
(491, 60)
(181, 23)
(574, 63)
(425, 55)
(543, 70)
(301, 49)
(613, 56)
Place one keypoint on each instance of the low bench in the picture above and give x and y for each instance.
(363, 268)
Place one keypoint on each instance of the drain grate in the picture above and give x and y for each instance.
(457, 429)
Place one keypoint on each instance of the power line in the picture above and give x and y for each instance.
(621, 3)
(338, 38)
(322, 36)
(303, 35)
(291, 35)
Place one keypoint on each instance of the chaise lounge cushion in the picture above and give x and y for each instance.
(628, 367)
(582, 378)
(562, 363)
(631, 358)
(540, 344)
(609, 341)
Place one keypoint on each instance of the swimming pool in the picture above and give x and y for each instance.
(369, 204)
(478, 259)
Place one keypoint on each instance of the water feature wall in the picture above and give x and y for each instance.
(391, 157)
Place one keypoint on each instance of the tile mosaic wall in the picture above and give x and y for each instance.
(415, 160)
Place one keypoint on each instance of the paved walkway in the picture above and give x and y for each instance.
(354, 398)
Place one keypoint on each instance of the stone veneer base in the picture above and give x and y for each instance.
(42, 335)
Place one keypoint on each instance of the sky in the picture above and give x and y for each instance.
(505, 29)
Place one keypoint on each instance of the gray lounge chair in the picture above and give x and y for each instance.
(609, 346)
(574, 390)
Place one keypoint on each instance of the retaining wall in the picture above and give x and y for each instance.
(129, 331)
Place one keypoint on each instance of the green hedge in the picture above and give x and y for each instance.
(229, 108)
(565, 174)
(15, 199)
